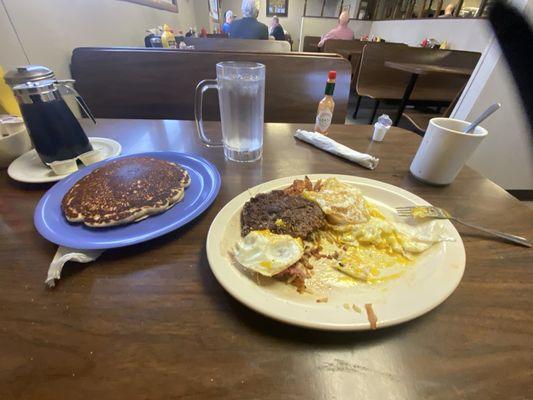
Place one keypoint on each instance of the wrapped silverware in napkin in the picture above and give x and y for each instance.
(65, 254)
(327, 144)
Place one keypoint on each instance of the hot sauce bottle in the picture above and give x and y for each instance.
(326, 106)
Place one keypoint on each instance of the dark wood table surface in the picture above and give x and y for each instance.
(151, 321)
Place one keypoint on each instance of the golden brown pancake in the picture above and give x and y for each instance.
(125, 191)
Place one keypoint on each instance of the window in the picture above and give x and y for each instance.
(323, 8)
(168, 5)
(376, 10)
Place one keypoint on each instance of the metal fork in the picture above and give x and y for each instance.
(440, 213)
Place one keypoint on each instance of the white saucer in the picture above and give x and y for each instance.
(29, 167)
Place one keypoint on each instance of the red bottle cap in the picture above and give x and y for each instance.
(332, 75)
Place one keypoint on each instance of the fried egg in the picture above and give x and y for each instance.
(268, 253)
(342, 204)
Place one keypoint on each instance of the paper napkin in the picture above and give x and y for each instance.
(65, 254)
(331, 146)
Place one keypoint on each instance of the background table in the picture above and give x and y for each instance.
(151, 322)
(415, 70)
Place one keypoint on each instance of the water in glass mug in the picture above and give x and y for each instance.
(242, 103)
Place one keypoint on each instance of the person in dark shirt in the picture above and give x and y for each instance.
(276, 30)
(248, 27)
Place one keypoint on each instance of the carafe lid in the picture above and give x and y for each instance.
(28, 73)
(35, 87)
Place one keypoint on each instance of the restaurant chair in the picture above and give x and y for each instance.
(311, 44)
(351, 50)
(419, 117)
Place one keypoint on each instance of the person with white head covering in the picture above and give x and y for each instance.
(341, 31)
(229, 18)
(248, 27)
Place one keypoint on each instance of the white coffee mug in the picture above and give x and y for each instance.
(444, 150)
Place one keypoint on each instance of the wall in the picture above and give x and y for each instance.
(506, 154)
(11, 53)
(467, 34)
(201, 12)
(50, 30)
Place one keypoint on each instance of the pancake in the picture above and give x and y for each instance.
(124, 191)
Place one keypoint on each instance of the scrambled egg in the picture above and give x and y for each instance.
(364, 244)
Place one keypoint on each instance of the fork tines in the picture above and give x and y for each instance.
(404, 211)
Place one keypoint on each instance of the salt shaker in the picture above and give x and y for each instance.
(381, 127)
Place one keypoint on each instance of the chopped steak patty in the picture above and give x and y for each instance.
(281, 213)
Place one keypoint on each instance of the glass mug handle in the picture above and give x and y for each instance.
(202, 87)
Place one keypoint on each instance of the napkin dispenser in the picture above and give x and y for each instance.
(54, 130)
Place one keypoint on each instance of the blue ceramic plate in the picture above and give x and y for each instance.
(52, 225)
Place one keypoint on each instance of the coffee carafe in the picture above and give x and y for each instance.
(54, 130)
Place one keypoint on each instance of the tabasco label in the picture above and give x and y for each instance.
(323, 121)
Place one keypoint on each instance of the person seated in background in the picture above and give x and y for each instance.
(276, 30)
(448, 11)
(248, 27)
(341, 31)
(229, 18)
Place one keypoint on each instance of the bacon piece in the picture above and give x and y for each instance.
(372, 318)
(298, 186)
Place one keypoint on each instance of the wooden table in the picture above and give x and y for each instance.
(420, 69)
(151, 321)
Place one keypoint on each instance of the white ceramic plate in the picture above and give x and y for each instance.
(29, 167)
(426, 284)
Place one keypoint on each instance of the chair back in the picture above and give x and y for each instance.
(343, 47)
(218, 35)
(160, 84)
(311, 44)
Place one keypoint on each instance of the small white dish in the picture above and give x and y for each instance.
(12, 144)
(10, 125)
(30, 169)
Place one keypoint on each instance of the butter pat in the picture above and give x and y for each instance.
(64, 167)
(91, 157)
